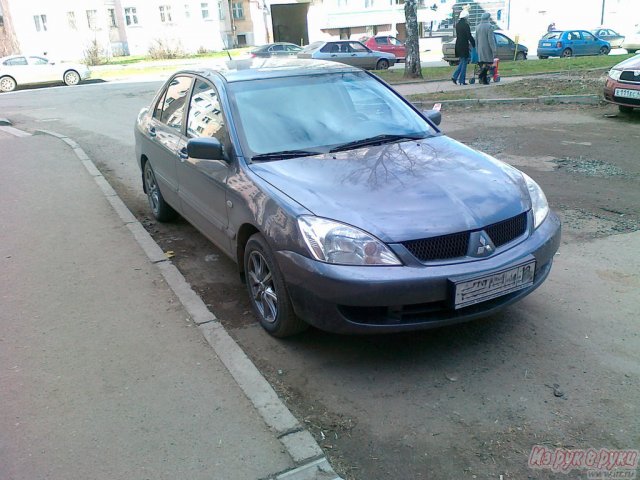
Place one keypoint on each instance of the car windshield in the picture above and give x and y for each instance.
(318, 113)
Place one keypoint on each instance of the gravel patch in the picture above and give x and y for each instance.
(589, 168)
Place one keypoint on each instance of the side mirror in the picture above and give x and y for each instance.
(205, 149)
(434, 115)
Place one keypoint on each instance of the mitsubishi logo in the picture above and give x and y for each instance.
(481, 244)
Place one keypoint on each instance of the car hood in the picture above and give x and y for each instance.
(403, 191)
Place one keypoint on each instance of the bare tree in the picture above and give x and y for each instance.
(8, 41)
(412, 62)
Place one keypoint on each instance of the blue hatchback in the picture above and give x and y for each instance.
(571, 42)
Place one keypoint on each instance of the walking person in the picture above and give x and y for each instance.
(463, 39)
(486, 46)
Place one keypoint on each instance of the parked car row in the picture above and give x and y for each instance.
(379, 54)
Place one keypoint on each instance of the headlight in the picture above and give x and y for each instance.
(539, 203)
(334, 242)
(615, 74)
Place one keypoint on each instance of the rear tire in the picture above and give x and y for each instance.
(566, 53)
(267, 291)
(161, 210)
(71, 77)
(631, 50)
(7, 84)
(625, 109)
(604, 51)
(520, 56)
(382, 64)
(542, 57)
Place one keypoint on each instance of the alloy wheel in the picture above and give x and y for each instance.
(71, 78)
(262, 287)
(153, 192)
(7, 84)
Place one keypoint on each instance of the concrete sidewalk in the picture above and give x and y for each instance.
(103, 374)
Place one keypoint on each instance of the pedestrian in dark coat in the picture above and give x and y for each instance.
(463, 40)
(487, 49)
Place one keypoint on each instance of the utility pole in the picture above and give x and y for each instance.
(602, 14)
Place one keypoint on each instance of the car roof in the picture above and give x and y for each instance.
(260, 68)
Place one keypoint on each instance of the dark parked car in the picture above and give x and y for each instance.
(349, 52)
(506, 49)
(608, 35)
(388, 44)
(623, 84)
(288, 167)
(280, 49)
(571, 43)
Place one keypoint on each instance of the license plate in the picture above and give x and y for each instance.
(479, 289)
(626, 93)
(546, 44)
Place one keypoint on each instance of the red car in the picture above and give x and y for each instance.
(387, 43)
(623, 85)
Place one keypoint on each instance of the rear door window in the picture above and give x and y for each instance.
(15, 61)
(205, 114)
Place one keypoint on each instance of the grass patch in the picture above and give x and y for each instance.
(514, 69)
(134, 59)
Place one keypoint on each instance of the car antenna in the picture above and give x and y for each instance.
(229, 55)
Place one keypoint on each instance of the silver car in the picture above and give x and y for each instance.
(349, 52)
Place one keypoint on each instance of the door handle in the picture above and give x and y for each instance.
(183, 154)
(152, 131)
(334, 55)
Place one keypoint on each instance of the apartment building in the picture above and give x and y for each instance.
(65, 29)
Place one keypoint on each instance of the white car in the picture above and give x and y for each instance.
(26, 70)
(632, 42)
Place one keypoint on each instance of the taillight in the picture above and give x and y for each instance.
(252, 55)
(559, 45)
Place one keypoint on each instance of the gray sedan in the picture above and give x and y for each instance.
(349, 52)
(343, 206)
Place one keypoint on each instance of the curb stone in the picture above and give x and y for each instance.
(311, 464)
(547, 100)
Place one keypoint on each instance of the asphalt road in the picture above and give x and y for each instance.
(558, 369)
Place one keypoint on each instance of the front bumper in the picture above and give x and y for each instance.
(348, 299)
(610, 89)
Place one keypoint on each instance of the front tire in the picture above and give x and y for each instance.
(566, 53)
(71, 77)
(604, 51)
(161, 210)
(631, 50)
(267, 290)
(382, 64)
(543, 57)
(520, 56)
(7, 84)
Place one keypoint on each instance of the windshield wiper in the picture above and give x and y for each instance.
(285, 154)
(377, 140)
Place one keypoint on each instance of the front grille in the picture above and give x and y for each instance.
(457, 244)
(503, 232)
(629, 76)
(439, 248)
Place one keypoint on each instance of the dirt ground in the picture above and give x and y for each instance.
(470, 401)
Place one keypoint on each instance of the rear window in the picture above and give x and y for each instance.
(552, 36)
(312, 46)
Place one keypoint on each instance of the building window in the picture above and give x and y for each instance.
(165, 13)
(242, 40)
(238, 11)
(112, 18)
(204, 8)
(368, 3)
(187, 11)
(71, 20)
(341, 3)
(131, 16)
(91, 19)
(41, 23)
(220, 10)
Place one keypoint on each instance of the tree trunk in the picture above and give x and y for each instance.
(412, 62)
(8, 41)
